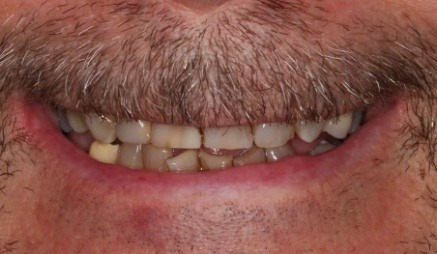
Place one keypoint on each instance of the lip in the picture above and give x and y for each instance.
(369, 141)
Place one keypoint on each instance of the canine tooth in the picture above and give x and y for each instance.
(322, 147)
(356, 121)
(213, 162)
(76, 122)
(102, 128)
(131, 156)
(230, 138)
(63, 121)
(268, 135)
(309, 131)
(338, 127)
(106, 153)
(172, 136)
(186, 161)
(251, 156)
(277, 153)
(134, 132)
(154, 157)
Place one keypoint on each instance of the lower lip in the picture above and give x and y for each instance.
(291, 171)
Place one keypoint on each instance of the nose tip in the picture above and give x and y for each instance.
(202, 5)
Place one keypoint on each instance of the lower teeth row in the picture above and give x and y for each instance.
(166, 159)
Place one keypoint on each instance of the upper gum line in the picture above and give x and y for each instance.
(272, 139)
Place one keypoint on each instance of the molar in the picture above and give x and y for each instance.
(76, 121)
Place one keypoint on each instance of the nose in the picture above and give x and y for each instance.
(202, 5)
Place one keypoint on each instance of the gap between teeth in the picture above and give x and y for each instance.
(141, 144)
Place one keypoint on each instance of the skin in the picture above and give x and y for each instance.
(383, 201)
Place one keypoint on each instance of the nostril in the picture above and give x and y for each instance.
(202, 5)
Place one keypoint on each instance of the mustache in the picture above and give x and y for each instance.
(267, 61)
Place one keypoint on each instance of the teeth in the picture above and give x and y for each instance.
(272, 135)
(102, 128)
(251, 156)
(186, 161)
(154, 157)
(278, 153)
(356, 121)
(106, 153)
(134, 132)
(213, 162)
(63, 122)
(76, 122)
(323, 147)
(230, 138)
(183, 137)
(131, 156)
(309, 131)
(339, 127)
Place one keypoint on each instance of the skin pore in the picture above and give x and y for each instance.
(249, 62)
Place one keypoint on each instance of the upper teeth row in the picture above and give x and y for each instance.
(268, 135)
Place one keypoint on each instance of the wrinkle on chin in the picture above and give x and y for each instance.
(150, 62)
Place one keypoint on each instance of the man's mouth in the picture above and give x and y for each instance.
(176, 148)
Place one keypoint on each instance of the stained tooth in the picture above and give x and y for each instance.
(322, 147)
(230, 138)
(309, 131)
(251, 156)
(339, 127)
(270, 135)
(213, 162)
(131, 156)
(356, 121)
(277, 153)
(186, 161)
(172, 136)
(63, 121)
(106, 153)
(154, 157)
(102, 128)
(76, 122)
(134, 132)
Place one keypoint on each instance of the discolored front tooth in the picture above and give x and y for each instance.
(213, 162)
(251, 156)
(268, 135)
(309, 131)
(131, 156)
(106, 153)
(186, 161)
(229, 138)
(338, 127)
(76, 121)
(154, 157)
(134, 132)
(278, 153)
(102, 128)
(172, 136)
(322, 147)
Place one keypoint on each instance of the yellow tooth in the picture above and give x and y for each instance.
(277, 153)
(102, 128)
(213, 162)
(131, 156)
(251, 156)
(134, 132)
(229, 138)
(154, 157)
(184, 162)
(106, 153)
(270, 135)
(339, 127)
(76, 122)
(172, 136)
(309, 131)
